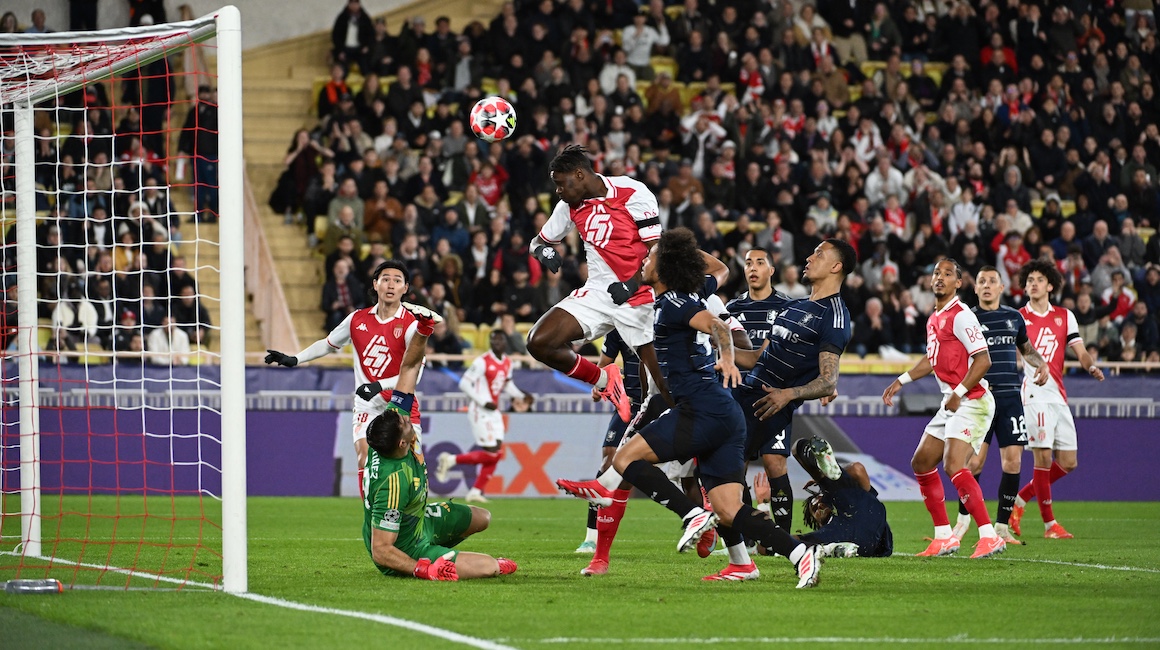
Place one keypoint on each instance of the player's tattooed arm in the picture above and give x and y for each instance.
(1035, 360)
(724, 342)
(775, 399)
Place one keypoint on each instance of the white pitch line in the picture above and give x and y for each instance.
(145, 575)
(381, 618)
(1082, 565)
(960, 639)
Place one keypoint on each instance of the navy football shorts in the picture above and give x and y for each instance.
(1008, 425)
(708, 427)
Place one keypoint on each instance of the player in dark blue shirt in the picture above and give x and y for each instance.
(706, 423)
(843, 508)
(614, 346)
(799, 362)
(756, 310)
(1006, 334)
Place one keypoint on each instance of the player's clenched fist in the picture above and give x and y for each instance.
(441, 569)
(274, 356)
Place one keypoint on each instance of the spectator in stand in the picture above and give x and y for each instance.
(191, 315)
(382, 211)
(638, 42)
(1097, 244)
(199, 140)
(341, 295)
(1119, 297)
(168, 345)
(872, 330)
(343, 226)
(352, 36)
(444, 341)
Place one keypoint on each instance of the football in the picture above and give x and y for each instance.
(493, 118)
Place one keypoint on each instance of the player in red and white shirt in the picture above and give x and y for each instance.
(1050, 427)
(956, 352)
(616, 217)
(379, 336)
(486, 381)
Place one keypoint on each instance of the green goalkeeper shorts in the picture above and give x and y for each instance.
(444, 525)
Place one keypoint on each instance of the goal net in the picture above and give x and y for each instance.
(122, 438)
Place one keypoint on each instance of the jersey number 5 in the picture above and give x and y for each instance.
(598, 227)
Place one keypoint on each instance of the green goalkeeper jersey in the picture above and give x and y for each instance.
(396, 490)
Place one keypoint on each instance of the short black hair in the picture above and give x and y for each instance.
(679, 262)
(846, 253)
(385, 431)
(988, 267)
(571, 158)
(763, 250)
(392, 264)
(958, 267)
(1048, 269)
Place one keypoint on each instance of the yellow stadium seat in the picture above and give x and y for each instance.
(524, 328)
(482, 336)
(43, 336)
(1037, 207)
(321, 223)
(855, 93)
(468, 332)
(453, 198)
(489, 86)
(935, 76)
(674, 12)
(730, 88)
(661, 64)
(870, 67)
(725, 227)
(642, 89)
(690, 91)
(1146, 233)
(1067, 208)
(545, 199)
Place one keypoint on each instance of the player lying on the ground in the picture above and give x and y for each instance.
(404, 534)
(845, 514)
(485, 382)
(379, 335)
(706, 422)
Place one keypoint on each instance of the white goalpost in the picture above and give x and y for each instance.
(144, 443)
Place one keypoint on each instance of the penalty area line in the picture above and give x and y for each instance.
(959, 639)
(379, 618)
(1081, 565)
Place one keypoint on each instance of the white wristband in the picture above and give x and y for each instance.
(904, 378)
(960, 390)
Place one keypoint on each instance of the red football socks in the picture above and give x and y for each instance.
(1029, 491)
(608, 522)
(362, 495)
(930, 484)
(486, 469)
(1042, 482)
(585, 371)
(971, 496)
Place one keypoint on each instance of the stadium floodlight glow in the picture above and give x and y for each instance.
(131, 490)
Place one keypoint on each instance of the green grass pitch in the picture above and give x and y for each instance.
(1101, 588)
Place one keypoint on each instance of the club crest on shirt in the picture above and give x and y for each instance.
(1058, 321)
(942, 322)
(1010, 324)
(773, 316)
(398, 332)
(806, 318)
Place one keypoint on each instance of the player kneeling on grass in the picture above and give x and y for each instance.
(706, 423)
(843, 510)
(403, 533)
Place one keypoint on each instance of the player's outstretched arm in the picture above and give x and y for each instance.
(1086, 360)
(920, 370)
(716, 268)
(416, 348)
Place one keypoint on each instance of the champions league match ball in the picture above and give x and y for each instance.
(493, 119)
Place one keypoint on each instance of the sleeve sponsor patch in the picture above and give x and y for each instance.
(391, 520)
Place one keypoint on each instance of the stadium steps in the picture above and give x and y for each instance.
(278, 81)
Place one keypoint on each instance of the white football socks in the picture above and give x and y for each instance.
(739, 555)
(611, 479)
(943, 532)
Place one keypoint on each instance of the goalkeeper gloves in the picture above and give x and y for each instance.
(549, 258)
(622, 291)
(425, 318)
(274, 356)
(442, 569)
(368, 391)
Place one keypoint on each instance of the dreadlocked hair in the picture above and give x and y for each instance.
(679, 263)
(571, 158)
(808, 505)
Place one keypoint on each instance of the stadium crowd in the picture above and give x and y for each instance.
(110, 273)
(993, 132)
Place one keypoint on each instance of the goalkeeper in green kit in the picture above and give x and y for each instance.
(403, 533)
